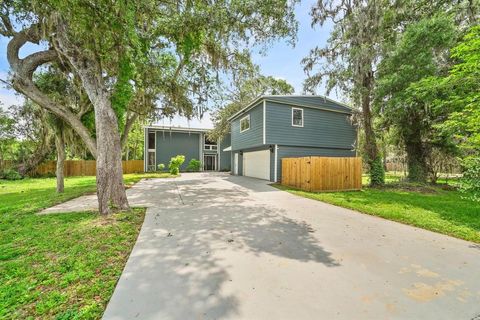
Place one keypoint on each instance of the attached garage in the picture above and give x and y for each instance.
(256, 164)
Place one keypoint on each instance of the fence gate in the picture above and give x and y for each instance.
(322, 173)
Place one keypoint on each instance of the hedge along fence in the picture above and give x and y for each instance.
(85, 167)
(322, 173)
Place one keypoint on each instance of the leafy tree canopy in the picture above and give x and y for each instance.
(244, 91)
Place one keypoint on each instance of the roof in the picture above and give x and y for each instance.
(306, 101)
(177, 129)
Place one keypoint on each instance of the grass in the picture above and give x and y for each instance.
(399, 177)
(61, 266)
(430, 207)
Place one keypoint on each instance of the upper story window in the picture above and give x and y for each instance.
(245, 123)
(209, 144)
(297, 117)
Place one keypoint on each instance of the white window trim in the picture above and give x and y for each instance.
(303, 118)
(215, 158)
(152, 150)
(249, 124)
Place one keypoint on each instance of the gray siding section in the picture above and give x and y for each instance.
(297, 152)
(312, 101)
(170, 144)
(321, 128)
(225, 156)
(252, 137)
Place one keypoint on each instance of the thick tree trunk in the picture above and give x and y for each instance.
(371, 148)
(60, 146)
(416, 158)
(110, 188)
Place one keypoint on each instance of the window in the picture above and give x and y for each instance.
(151, 140)
(209, 144)
(151, 152)
(297, 117)
(245, 123)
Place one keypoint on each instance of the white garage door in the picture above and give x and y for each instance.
(257, 164)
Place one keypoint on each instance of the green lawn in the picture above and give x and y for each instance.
(431, 208)
(61, 266)
(397, 177)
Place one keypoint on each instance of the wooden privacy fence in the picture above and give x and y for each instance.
(85, 167)
(322, 173)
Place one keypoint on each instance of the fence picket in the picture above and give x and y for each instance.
(322, 173)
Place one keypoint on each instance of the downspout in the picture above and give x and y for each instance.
(200, 146)
(264, 121)
(275, 165)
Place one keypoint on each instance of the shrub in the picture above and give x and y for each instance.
(11, 174)
(161, 167)
(175, 163)
(470, 183)
(194, 165)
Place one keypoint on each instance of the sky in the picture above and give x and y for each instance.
(280, 61)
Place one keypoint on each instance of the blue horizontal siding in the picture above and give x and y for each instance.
(321, 128)
(252, 137)
(225, 156)
(171, 144)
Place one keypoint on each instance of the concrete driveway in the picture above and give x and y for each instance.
(214, 246)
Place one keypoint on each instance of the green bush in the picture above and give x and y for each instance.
(175, 163)
(470, 183)
(160, 167)
(194, 165)
(377, 173)
(11, 174)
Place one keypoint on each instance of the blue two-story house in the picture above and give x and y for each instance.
(265, 131)
(162, 143)
(274, 127)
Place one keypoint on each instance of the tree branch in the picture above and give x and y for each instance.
(23, 70)
(6, 28)
(128, 126)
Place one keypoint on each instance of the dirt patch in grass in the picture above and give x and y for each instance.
(410, 187)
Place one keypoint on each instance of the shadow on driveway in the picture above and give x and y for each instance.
(195, 231)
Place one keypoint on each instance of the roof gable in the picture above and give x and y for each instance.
(308, 101)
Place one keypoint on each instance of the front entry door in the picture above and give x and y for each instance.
(209, 162)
